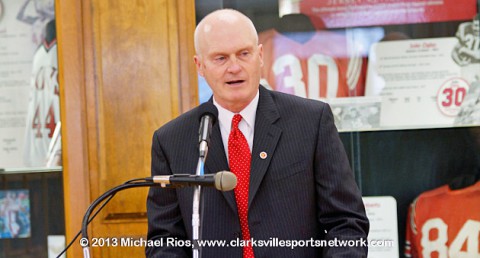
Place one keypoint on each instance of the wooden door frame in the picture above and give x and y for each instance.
(76, 57)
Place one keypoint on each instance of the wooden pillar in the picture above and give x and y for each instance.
(126, 68)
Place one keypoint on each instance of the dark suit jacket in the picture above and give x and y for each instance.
(303, 190)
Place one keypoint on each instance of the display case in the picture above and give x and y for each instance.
(403, 80)
(31, 180)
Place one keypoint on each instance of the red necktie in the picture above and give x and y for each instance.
(239, 159)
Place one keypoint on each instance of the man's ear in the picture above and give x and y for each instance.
(198, 63)
(260, 54)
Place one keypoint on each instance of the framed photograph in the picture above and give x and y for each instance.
(15, 214)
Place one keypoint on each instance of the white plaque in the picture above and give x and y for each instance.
(420, 84)
(383, 236)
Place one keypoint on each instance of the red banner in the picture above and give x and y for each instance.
(356, 13)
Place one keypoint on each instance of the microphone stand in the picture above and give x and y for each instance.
(208, 113)
(196, 218)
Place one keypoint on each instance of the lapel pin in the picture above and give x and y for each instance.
(263, 155)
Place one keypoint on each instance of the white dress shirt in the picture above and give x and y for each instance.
(246, 125)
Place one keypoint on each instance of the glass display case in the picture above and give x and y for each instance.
(31, 188)
(403, 80)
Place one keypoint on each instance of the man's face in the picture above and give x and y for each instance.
(230, 61)
(476, 27)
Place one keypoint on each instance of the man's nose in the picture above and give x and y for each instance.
(233, 66)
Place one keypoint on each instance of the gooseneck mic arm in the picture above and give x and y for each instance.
(111, 192)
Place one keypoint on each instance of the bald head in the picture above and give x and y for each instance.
(229, 58)
(220, 20)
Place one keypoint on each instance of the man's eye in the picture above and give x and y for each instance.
(219, 58)
(245, 53)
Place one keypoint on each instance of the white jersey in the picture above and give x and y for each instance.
(43, 108)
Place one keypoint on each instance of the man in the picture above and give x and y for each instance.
(299, 184)
(467, 49)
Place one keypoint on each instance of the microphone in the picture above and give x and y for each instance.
(223, 181)
(208, 115)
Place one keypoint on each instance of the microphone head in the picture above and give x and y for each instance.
(225, 181)
(209, 109)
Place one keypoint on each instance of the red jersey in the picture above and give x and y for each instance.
(444, 223)
(321, 67)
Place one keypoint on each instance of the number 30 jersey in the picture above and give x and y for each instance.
(444, 223)
(320, 67)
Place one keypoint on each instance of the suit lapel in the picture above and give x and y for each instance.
(266, 136)
(217, 161)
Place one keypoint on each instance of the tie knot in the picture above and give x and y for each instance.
(236, 120)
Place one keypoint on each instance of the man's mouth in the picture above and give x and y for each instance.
(234, 82)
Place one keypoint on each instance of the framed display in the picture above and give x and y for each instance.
(15, 214)
(29, 94)
(420, 84)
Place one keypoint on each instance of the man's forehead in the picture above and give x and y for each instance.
(215, 48)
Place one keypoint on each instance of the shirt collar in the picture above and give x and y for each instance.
(248, 114)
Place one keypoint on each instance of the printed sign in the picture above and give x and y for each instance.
(420, 83)
(382, 214)
(356, 13)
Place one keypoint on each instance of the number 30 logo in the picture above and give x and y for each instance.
(451, 95)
